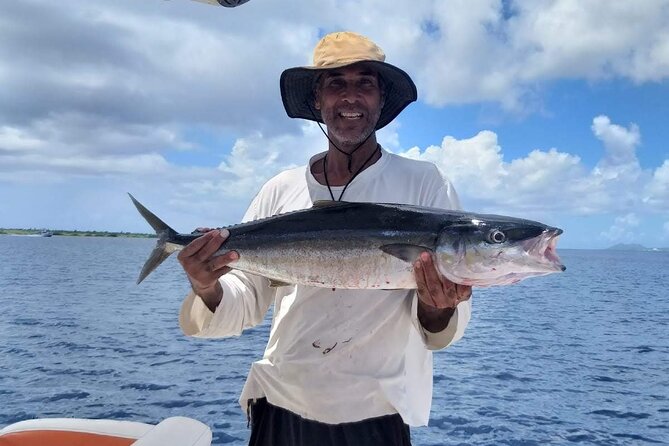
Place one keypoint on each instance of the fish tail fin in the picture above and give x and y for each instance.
(164, 233)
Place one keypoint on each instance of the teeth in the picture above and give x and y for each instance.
(351, 115)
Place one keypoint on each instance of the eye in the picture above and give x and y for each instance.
(496, 236)
(334, 83)
(369, 83)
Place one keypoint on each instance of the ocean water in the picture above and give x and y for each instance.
(575, 358)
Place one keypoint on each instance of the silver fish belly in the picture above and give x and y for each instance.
(331, 263)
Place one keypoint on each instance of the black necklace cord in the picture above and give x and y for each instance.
(325, 172)
(348, 155)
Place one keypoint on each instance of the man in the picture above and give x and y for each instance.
(341, 366)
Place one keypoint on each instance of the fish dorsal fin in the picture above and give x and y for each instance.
(278, 283)
(405, 251)
(327, 203)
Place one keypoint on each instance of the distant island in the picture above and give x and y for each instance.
(69, 233)
(633, 247)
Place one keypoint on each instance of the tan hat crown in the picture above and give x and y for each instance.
(344, 48)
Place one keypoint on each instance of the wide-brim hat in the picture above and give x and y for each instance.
(339, 50)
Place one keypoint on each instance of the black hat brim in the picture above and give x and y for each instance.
(297, 91)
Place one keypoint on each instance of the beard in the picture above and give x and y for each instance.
(347, 137)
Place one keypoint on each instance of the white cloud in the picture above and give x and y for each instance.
(98, 79)
(155, 64)
(254, 159)
(128, 165)
(78, 144)
(480, 51)
(624, 229)
(617, 177)
(550, 179)
(620, 144)
(18, 140)
(656, 193)
(464, 161)
(539, 181)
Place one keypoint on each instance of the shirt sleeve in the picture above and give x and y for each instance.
(443, 194)
(453, 331)
(445, 197)
(246, 299)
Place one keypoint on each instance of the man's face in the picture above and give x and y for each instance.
(350, 102)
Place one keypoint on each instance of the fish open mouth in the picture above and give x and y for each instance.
(544, 248)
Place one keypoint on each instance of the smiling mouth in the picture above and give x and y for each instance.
(350, 115)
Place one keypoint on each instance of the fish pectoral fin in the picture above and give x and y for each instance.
(278, 283)
(405, 251)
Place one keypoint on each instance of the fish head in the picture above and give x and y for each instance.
(487, 250)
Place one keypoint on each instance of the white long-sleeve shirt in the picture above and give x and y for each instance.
(336, 356)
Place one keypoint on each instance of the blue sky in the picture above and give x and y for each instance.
(550, 110)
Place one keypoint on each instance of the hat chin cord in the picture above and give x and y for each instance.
(348, 155)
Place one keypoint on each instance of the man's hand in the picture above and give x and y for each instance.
(437, 296)
(202, 269)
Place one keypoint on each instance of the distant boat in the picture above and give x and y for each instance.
(45, 233)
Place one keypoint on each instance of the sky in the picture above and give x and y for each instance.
(549, 110)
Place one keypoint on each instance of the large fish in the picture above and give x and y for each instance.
(367, 245)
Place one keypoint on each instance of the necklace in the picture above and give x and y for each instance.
(325, 173)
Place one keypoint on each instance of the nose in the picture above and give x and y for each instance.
(350, 93)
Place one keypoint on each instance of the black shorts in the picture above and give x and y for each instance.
(274, 426)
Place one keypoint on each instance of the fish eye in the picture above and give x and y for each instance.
(496, 236)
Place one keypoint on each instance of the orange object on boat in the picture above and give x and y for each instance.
(62, 438)
(174, 431)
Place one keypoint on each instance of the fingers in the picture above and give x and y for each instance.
(197, 244)
(213, 244)
(433, 288)
(220, 263)
(204, 269)
(421, 283)
(464, 292)
(425, 285)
